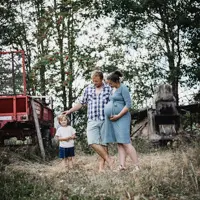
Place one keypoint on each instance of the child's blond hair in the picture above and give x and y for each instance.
(63, 117)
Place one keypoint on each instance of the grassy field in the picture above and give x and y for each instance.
(169, 174)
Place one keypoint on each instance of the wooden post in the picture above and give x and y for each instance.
(38, 130)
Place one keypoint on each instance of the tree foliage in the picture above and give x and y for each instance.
(151, 41)
(163, 33)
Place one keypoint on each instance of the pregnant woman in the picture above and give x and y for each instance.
(118, 119)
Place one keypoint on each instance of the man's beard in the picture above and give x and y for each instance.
(98, 86)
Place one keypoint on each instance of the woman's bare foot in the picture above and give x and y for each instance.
(136, 168)
(120, 168)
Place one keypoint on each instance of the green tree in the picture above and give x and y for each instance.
(160, 41)
(14, 29)
(191, 27)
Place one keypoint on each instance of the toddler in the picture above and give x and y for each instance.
(65, 134)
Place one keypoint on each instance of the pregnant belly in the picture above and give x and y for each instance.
(112, 109)
(108, 109)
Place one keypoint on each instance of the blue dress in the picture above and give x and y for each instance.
(118, 131)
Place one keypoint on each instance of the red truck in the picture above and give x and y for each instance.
(21, 115)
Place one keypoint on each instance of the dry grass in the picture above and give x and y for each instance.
(164, 175)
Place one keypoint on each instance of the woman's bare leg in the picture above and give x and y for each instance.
(122, 155)
(130, 150)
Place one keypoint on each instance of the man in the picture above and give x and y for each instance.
(95, 96)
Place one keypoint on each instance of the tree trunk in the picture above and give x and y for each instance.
(70, 28)
(175, 89)
(60, 32)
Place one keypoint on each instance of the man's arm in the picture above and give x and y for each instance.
(83, 100)
(73, 109)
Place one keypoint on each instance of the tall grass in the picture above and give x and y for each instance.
(172, 174)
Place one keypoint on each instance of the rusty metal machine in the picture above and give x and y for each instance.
(161, 122)
(165, 119)
(21, 116)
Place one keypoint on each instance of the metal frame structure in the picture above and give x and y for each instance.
(23, 65)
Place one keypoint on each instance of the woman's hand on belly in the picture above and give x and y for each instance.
(114, 117)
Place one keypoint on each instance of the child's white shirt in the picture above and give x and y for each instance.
(65, 131)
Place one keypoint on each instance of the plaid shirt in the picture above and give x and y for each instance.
(95, 102)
